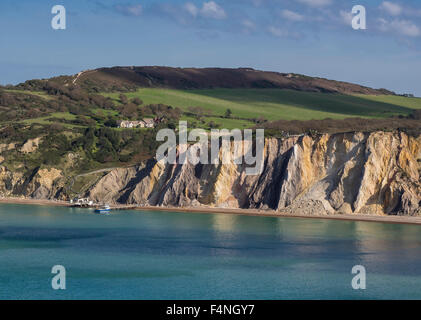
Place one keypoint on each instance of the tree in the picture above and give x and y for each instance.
(171, 125)
(198, 111)
(228, 113)
(111, 122)
(416, 114)
(130, 111)
(213, 125)
(260, 120)
(137, 101)
(123, 99)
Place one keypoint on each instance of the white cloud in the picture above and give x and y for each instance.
(277, 32)
(391, 8)
(209, 10)
(406, 28)
(130, 10)
(291, 15)
(213, 10)
(346, 17)
(248, 24)
(402, 27)
(316, 3)
(191, 8)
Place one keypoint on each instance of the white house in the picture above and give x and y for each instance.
(149, 123)
(145, 123)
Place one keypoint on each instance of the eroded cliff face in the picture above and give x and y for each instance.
(376, 173)
(39, 184)
(354, 173)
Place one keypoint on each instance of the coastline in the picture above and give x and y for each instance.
(275, 214)
(235, 211)
(41, 202)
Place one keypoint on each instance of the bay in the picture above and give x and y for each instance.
(173, 255)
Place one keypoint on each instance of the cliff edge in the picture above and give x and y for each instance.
(352, 173)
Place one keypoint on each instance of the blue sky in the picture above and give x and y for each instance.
(312, 37)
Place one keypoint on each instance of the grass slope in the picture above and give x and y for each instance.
(275, 104)
(272, 104)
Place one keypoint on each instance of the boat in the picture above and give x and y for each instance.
(105, 209)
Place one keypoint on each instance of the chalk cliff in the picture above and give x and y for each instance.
(354, 173)
(39, 184)
(373, 173)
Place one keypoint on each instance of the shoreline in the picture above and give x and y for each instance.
(275, 214)
(42, 202)
(234, 211)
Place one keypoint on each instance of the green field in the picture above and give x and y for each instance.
(275, 104)
(249, 104)
(412, 103)
(46, 119)
(34, 93)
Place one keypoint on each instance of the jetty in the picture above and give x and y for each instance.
(87, 203)
(82, 203)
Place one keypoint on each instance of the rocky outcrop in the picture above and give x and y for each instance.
(39, 184)
(31, 145)
(8, 181)
(7, 146)
(354, 173)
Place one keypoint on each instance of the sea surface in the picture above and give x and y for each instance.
(166, 255)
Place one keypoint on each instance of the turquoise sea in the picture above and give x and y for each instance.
(164, 255)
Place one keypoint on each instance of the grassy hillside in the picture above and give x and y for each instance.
(125, 79)
(412, 103)
(276, 104)
(77, 130)
(75, 127)
(247, 106)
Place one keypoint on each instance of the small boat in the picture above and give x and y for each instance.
(105, 209)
